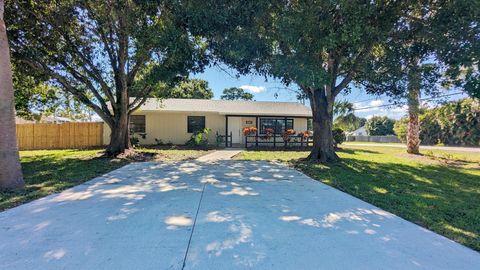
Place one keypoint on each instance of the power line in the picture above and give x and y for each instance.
(403, 103)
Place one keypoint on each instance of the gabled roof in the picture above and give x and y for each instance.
(227, 107)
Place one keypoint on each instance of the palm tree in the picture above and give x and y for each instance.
(11, 171)
(344, 116)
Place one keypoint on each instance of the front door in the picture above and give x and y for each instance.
(235, 126)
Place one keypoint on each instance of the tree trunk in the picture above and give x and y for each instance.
(413, 99)
(323, 144)
(119, 136)
(10, 169)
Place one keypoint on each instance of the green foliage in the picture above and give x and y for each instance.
(190, 89)
(400, 128)
(379, 126)
(199, 138)
(459, 122)
(338, 136)
(454, 123)
(103, 52)
(430, 130)
(345, 119)
(235, 93)
(321, 46)
(33, 98)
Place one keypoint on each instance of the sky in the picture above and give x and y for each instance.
(270, 89)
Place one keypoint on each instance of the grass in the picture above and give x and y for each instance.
(51, 171)
(438, 190)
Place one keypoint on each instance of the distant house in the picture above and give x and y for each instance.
(361, 131)
(19, 120)
(175, 120)
(55, 120)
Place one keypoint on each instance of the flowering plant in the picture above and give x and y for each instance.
(305, 134)
(268, 133)
(286, 135)
(249, 130)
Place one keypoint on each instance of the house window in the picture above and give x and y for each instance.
(279, 125)
(137, 123)
(195, 123)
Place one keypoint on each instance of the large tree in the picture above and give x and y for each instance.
(322, 46)
(109, 54)
(236, 93)
(10, 169)
(435, 43)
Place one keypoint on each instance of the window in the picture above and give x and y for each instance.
(195, 123)
(279, 125)
(137, 123)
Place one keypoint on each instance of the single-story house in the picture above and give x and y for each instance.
(361, 131)
(175, 120)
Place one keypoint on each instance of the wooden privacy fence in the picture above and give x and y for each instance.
(59, 136)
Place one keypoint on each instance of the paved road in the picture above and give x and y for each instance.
(224, 215)
(444, 148)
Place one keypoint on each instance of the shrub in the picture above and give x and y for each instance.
(379, 126)
(430, 130)
(338, 136)
(401, 128)
(455, 123)
(199, 138)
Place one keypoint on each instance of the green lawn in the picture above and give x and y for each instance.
(51, 171)
(439, 191)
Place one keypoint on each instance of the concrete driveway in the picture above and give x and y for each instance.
(224, 215)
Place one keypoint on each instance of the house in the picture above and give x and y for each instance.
(55, 120)
(19, 120)
(175, 120)
(361, 131)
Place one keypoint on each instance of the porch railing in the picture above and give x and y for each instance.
(222, 140)
(277, 140)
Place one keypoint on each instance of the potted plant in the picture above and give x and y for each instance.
(286, 135)
(249, 131)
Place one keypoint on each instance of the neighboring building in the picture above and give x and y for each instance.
(174, 120)
(19, 120)
(361, 131)
(55, 120)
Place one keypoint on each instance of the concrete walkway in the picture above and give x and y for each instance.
(223, 215)
(427, 147)
(224, 154)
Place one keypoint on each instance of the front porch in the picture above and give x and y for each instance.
(268, 131)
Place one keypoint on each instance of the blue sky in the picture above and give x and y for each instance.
(264, 89)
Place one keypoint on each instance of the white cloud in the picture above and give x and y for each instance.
(377, 102)
(253, 88)
(400, 109)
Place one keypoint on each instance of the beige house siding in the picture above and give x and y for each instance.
(171, 127)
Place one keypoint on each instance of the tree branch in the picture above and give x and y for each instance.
(349, 77)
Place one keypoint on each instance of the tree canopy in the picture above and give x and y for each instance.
(322, 46)
(379, 126)
(236, 93)
(190, 88)
(110, 55)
